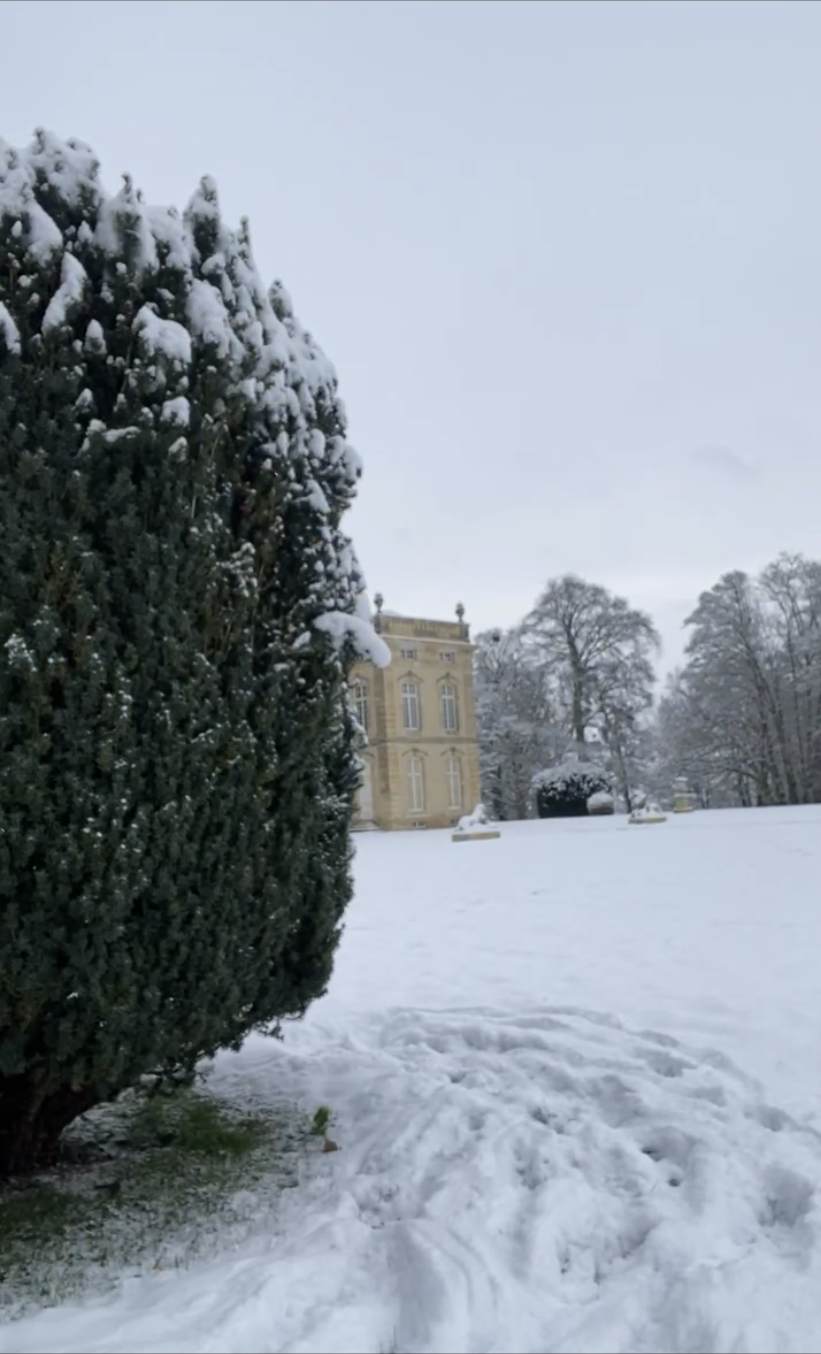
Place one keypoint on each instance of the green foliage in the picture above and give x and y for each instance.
(321, 1122)
(176, 755)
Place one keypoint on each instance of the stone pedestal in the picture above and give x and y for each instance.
(481, 835)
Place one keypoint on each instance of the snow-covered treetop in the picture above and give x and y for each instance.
(67, 174)
(60, 229)
(569, 771)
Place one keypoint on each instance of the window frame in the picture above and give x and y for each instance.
(453, 776)
(449, 700)
(415, 779)
(409, 691)
(361, 701)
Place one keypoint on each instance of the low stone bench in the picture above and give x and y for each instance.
(479, 835)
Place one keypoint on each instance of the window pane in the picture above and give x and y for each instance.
(454, 779)
(416, 786)
(450, 709)
(410, 705)
(360, 696)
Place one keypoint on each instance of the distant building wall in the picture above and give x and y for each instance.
(422, 758)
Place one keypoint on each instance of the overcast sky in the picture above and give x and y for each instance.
(566, 258)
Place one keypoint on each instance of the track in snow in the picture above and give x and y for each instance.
(548, 1181)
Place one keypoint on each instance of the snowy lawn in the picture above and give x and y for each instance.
(575, 1076)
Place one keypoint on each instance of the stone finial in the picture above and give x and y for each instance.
(378, 601)
(460, 612)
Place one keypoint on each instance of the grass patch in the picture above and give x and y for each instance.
(29, 1214)
(175, 1177)
(194, 1124)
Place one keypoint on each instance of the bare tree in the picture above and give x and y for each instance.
(791, 588)
(597, 651)
(695, 735)
(518, 734)
(745, 712)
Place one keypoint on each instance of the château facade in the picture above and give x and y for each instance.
(421, 762)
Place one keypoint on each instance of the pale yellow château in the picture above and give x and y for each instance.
(421, 762)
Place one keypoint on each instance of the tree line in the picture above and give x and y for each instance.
(741, 717)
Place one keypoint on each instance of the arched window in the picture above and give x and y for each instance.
(449, 703)
(360, 702)
(453, 776)
(411, 714)
(416, 784)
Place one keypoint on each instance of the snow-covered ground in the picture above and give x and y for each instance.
(576, 1083)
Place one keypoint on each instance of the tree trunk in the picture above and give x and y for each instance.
(578, 712)
(625, 780)
(30, 1128)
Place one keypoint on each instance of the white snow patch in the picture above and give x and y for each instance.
(95, 337)
(204, 200)
(44, 238)
(165, 337)
(543, 1179)
(177, 411)
(17, 179)
(9, 330)
(362, 607)
(514, 1175)
(170, 231)
(121, 211)
(19, 652)
(317, 498)
(114, 435)
(351, 460)
(341, 625)
(73, 279)
(178, 450)
(208, 317)
(69, 165)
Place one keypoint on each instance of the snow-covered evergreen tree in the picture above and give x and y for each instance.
(563, 791)
(179, 607)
